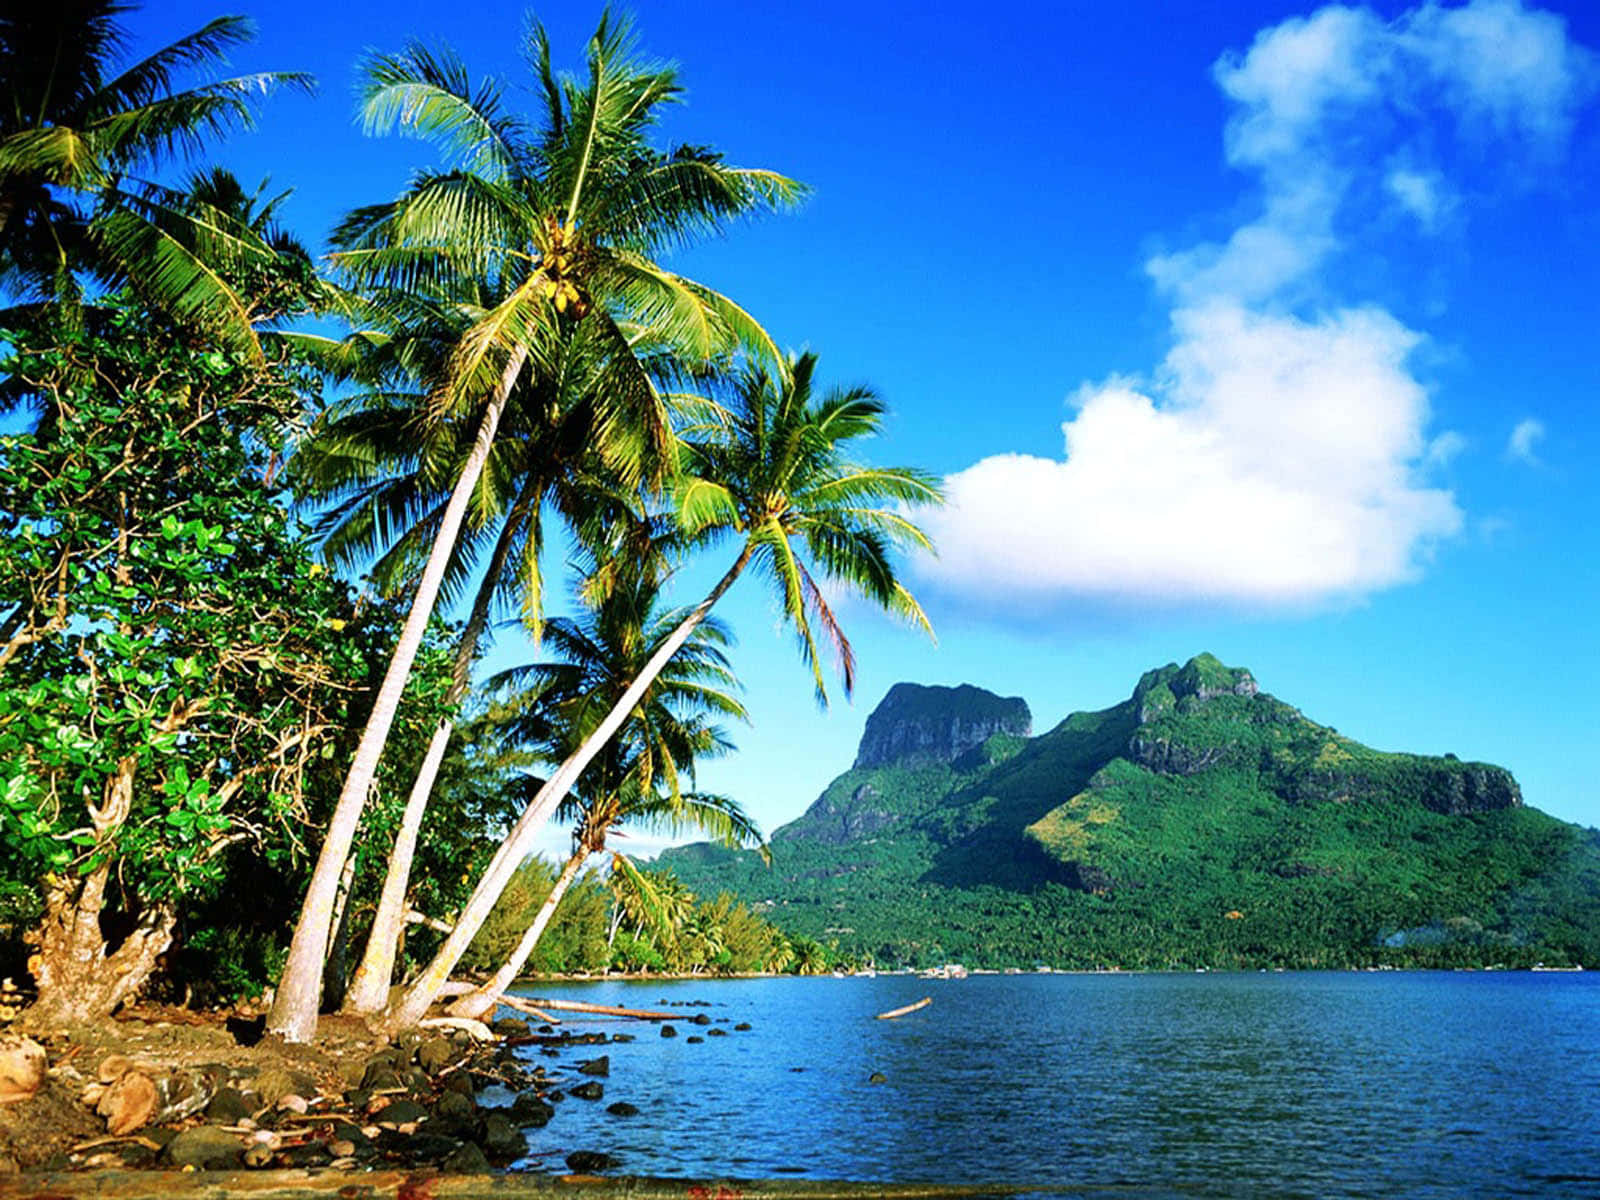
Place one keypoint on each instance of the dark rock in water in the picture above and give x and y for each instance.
(554, 1097)
(312, 1154)
(529, 1109)
(700, 1019)
(466, 1159)
(583, 1162)
(622, 1037)
(587, 1091)
(547, 1029)
(228, 1107)
(510, 1027)
(877, 1077)
(501, 1140)
(435, 1054)
(695, 1040)
(743, 1027)
(206, 1147)
(400, 1112)
(596, 1066)
(622, 1109)
(668, 1031)
(716, 1033)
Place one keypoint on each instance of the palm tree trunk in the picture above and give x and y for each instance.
(338, 956)
(518, 843)
(369, 990)
(478, 1004)
(293, 1015)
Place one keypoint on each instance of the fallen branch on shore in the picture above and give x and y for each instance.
(910, 1008)
(606, 1010)
(477, 1030)
(524, 1006)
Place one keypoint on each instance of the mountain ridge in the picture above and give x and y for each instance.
(1127, 836)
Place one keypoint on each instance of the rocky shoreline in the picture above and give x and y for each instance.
(172, 1090)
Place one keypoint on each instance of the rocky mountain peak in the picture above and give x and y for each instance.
(1203, 677)
(918, 725)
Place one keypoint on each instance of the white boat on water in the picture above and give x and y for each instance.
(948, 971)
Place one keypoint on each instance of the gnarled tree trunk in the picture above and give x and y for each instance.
(80, 978)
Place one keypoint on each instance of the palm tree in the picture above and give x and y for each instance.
(561, 224)
(637, 780)
(770, 470)
(390, 479)
(75, 130)
(656, 902)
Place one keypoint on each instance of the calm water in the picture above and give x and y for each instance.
(1416, 1085)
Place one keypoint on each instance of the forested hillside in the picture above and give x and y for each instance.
(1200, 822)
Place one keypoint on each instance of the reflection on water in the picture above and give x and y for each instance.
(1284, 1085)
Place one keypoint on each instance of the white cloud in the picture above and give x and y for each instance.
(1524, 441)
(1213, 486)
(1279, 457)
(1293, 76)
(1444, 448)
(1500, 62)
(1424, 194)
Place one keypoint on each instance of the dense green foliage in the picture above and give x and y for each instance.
(169, 636)
(602, 925)
(1198, 823)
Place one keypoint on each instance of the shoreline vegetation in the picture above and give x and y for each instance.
(267, 829)
(245, 750)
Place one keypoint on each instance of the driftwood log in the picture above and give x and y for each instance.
(910, 1008)
(523, 1006)
(606, 1010)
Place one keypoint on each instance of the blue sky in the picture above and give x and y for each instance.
(1258, 328)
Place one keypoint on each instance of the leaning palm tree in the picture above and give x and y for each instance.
(637, 779)
(562, 223)
(76, 132)
(769, 470)
(388, 480)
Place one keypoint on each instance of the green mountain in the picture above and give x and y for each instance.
(1201, 822)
